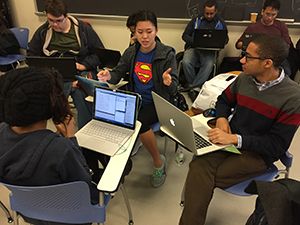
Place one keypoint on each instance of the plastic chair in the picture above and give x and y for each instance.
(272, 173)
(22, 35)
(62, 203)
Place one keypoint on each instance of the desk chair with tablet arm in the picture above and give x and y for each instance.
(70, 202)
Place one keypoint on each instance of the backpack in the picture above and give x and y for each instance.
(211, 89)
(258, 217)
(179, 101)
(8, 43)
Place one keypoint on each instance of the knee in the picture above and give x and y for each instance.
(198, 166)
(188, 57)
(185, 61)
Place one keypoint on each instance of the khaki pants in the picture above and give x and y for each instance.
(218, 169)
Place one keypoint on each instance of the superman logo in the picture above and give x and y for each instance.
(143, 71)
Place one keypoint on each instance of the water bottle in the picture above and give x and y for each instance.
(179, 158)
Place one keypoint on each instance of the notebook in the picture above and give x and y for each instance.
(184, 129)
(108, 58)
(113, 123)
(65, 65)
(209, 38)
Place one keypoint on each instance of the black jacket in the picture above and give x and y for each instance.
(201, 23)
(280, 200)
(164, 58)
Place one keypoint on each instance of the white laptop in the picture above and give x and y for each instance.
(113, 123)
(184, 129)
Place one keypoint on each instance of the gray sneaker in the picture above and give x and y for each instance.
(159, 174)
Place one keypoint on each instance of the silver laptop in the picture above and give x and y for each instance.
(113, 123)
(187, 131)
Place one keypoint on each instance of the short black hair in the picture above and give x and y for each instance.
(275, 4)
(29, 95)
(56, 8)
(131, 21)
(210, 3)
(146, 15)
(271, 47)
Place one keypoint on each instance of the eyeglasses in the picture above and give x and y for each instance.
(248, 56)
(56, 21)
(270, 14)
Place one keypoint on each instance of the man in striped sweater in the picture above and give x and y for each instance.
(266, 116)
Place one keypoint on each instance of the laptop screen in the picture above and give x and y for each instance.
(65, 65)
(108, 58)
(115, 107)
(209, 38)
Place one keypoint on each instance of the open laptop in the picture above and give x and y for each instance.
(65, 65)
(113, 123)
(184, 129)
(88, 85)
(209, 38)
(108, 58)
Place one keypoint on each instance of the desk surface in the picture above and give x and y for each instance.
(111, 177)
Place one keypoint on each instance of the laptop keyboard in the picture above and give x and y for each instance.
(200, 141)
(106, 133)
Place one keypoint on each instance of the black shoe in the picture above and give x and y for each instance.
(193, 95)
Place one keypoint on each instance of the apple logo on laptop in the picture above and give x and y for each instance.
(172, 122)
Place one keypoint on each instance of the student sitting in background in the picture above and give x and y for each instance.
(31, 154)
(130, 24)
(66, 36)
(268, 24)
(149, 66)
(193, 57)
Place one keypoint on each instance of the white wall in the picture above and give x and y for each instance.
(114, 34)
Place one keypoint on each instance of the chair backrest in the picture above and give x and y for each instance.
(269, 175)
(63, 203)
(22, 35)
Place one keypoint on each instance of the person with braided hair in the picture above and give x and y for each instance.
(31, 154)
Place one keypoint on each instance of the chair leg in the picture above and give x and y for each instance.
(182, 196)
(7, 213)
(16, 218)
(165, 146)
(127, 204)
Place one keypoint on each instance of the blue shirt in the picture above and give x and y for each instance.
(142, 76)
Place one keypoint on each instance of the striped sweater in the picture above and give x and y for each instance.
(267, 120)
